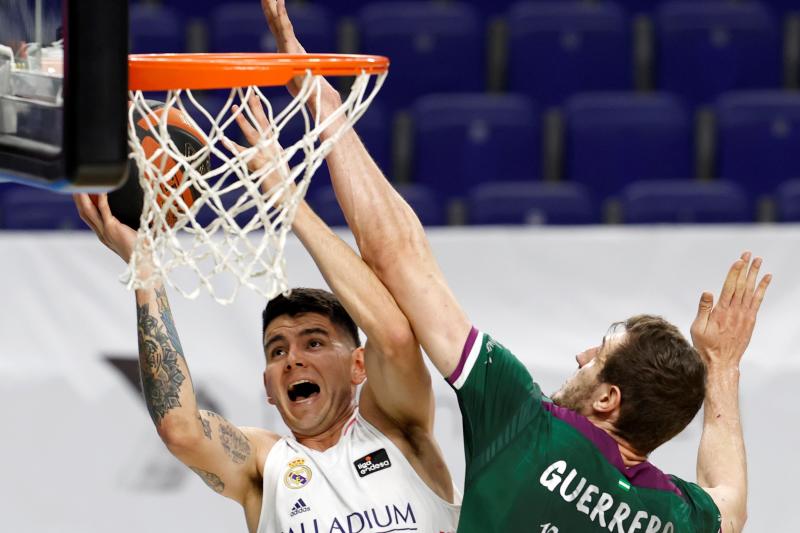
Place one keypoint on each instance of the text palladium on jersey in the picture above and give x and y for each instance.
(552, 478)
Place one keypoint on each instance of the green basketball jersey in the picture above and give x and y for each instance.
(535, 467)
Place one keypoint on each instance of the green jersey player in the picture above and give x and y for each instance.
(535, 466)
(578, 463)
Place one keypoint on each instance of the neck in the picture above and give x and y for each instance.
(630, 457)
(329, 437)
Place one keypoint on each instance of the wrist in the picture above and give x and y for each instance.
(330, 100)
(722, 369)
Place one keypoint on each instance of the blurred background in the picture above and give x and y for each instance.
(538, 141)
(538, 112)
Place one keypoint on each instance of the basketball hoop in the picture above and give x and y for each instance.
(232, 233)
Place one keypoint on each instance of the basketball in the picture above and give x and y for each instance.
(126, 202)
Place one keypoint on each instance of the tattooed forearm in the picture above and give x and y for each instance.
(160, 353)
(234, 441)
(206, 426)
(212, 480)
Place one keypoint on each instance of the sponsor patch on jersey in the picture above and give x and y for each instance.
(299, 507)
(297, 474)
(372, 462)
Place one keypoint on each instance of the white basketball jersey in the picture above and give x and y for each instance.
(364, 484)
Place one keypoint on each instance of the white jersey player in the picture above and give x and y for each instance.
(310, 491)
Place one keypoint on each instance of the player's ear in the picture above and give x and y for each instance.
(607, 399)
(358, 370)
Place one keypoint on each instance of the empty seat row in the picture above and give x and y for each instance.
(647, 202)
(601, 140)
(485, 7)
(644, 202)
(555, 48)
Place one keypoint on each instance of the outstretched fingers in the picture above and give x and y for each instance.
(250, 133)
(741, 280)
(761, 290)
(729, 287)
(254, 109)
(87, 210)
(104, 209)
(752, 277)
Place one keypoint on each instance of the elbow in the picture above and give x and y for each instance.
(394, 253)
(179, 434)
(399, 342)
(399, 237)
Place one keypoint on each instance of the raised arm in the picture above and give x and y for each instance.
(721, 334)
(398, 382)
(389, 235)
(224, 456)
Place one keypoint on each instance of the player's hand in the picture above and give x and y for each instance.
(721, 332)
(94, 210)
(267, 158)
(282, 30)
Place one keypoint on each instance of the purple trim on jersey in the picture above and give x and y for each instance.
(643, 475)
(473, 334)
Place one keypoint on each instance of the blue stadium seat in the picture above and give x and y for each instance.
(433, 47)
(685, 202)
(785, 7)
(420, 198)
(787, 201)
(24, 208)
(560, 48)
(706, 48)
(759, 138)
(344, 7)
(635, 7)
(156, 29)
(374, 128)
(613, 139)
(241, 27)
(461, 140)
(531, 203)
(192, 8)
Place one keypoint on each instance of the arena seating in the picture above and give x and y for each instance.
(461, 140)
(616, 138)
(424, 202)
(559, 48)
(759, 138)
(240, 27)
(26, 208)
(531, 203)
(614, 91)
(155, 29)
(787, 199)
(433, 47)
(685, 202)
(706, 48)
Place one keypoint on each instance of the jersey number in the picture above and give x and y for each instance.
(547, 528)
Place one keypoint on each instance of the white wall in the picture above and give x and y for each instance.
(78, 452)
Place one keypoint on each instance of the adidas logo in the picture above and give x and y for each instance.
(299, 507)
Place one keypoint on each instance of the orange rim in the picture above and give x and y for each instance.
(161, 72)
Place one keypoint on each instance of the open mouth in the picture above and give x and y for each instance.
(302, 390)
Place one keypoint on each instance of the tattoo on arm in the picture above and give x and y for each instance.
(160, 353)
(212, 480)
(206, 426)
(234, 441)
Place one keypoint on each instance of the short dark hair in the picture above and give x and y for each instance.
(302, 300)
(662, 380)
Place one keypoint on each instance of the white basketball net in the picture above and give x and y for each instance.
(233, 234)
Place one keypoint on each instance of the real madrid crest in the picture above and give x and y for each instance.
(297, 475)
